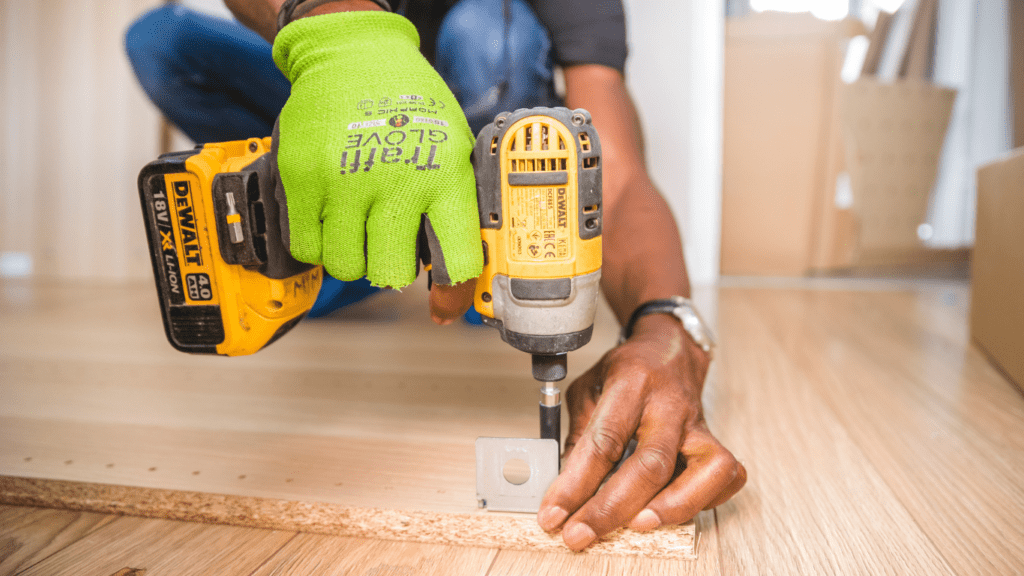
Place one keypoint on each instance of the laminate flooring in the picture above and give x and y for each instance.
(877, 439)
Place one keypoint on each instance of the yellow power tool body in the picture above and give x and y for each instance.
(228, 285)
(538, 177)
(225, 281)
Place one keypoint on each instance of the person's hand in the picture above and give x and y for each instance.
(650, 388)
(448, 303)
(370, 139)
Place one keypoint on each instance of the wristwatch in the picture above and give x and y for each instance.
(684, 310)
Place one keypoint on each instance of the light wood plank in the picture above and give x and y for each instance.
(162, 547)
(27, 535)
(815, 504)
(936, 420)
(315, 554)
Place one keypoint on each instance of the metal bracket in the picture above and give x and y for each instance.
(497, 494)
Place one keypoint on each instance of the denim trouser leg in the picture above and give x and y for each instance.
(492, 66)
(213, 78)
(216, 80)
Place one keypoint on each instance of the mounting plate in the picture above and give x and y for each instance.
(494, 492)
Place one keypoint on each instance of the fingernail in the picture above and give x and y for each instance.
(645, 521)
(551, 518)
(578, 536)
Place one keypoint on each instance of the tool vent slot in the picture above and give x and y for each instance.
(538, 155)
(584, 142)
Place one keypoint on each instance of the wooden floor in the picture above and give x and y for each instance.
(877, 439)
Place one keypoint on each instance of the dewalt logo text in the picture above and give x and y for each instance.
(187, 223)
(563, 220)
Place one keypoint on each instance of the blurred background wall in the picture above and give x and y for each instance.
(75, 130)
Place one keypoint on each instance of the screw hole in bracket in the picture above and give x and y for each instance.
(516, 471)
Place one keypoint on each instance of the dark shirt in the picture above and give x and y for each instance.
(582, 31)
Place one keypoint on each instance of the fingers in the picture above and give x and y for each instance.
(581, 400)
(598, 450)
(712, 476)
(304, 212)
(447, 303)
(456, 224)
(391, 231)
(737, 484)
(639, 479)
(344, 240)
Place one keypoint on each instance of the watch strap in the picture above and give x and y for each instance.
(292, 9)
(660, 306)
(681, 309)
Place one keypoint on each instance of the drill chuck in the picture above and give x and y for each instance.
(549, 367)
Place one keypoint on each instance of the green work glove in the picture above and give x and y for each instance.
(370, 139)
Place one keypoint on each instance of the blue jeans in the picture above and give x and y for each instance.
(216, 80)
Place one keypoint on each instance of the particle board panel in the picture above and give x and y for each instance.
(530, 563)
(375, 409)
(507, 531)
(28, 535)
(136, 546)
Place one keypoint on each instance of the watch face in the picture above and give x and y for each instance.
(694, 326)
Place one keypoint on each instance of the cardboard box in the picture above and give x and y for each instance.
(782, 143)
(997, 283)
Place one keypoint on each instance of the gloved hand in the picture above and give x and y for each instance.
(370, 139)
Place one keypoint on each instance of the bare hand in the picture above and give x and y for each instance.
(650, 388)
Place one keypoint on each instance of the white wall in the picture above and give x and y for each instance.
(972, 55)
(674, 72)
(75, 130)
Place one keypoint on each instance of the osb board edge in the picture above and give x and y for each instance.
(478, 530)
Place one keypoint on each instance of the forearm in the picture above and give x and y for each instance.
(261, 15)
(643, 251)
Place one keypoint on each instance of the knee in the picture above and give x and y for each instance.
(475, 55)
(160, 46)
(473, 34)
(146, 38)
